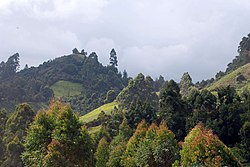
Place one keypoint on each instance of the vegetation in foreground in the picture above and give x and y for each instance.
(181, 125)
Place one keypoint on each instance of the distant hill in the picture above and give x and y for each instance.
(78, 79)
(239, 78)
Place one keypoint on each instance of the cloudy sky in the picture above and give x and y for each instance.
(156, 37)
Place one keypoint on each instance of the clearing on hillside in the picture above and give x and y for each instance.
(107, 108)
(66, 89)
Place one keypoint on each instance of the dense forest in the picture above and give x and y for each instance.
(47, 115)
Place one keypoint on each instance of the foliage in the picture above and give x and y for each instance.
(229, 120)
(159, 148)
(140, 88)
(185, 85)
(203, 148)
(245, 140)
(173, 109)
(138, 111)
(111, 95)
(243, 58)
(9, 68)
(155, 146)
(13, 135)
(77, 79)
(102, 153)
(56, 138)
(113, 58)
(159, 82)
(203, 105)
(128, 158)
(118, 144)
(112, 124)
(232, 79)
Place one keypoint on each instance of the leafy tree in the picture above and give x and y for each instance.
(112, 125)
(138, 89)
(185, 85)
(128, 158)
(158, 148)
(125, 75)
(3, 119)
(219, 75)
(243, 57)
(56, 137)
(144, 153)
(229, 120)
(102, 153)
(13, 151)
(138, 111)
(9, 68)
(159, 82)
(244, 44)
(39, 136)
(13, 136)
(111, 95)
(165, 147)
(113, 58)
(202, 148)
(203, 105)
(83, 52)
(55, 156)
(173, 109)
(75, 51)
(245, 140)
(118, 144)
(116, 154)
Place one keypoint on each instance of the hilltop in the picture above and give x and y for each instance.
(238, 78)
(78, 79)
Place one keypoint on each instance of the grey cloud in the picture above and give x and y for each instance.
(153, 37)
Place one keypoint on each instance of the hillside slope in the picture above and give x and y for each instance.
(107, 108)
(239, 78)
(77, 79)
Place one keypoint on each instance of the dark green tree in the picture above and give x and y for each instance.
(118, 144)
(138, 111)
(245, 140)
(14, 133)
(185, 85)
(173, 109)
(9, 68)
(243, 57)
(102, 153)
(75, 51)
(113, 58)
(159, 82)
(229, 120)
(203, 105)
(138, 89)
(128, 158)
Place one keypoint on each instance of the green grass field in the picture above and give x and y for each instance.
(66, 89)
(107, 108)
(230, 79)
(95, 129)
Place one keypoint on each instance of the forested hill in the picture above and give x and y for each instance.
(77, 78)
(235, 66)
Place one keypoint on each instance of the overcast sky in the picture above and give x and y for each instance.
(155, 37)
